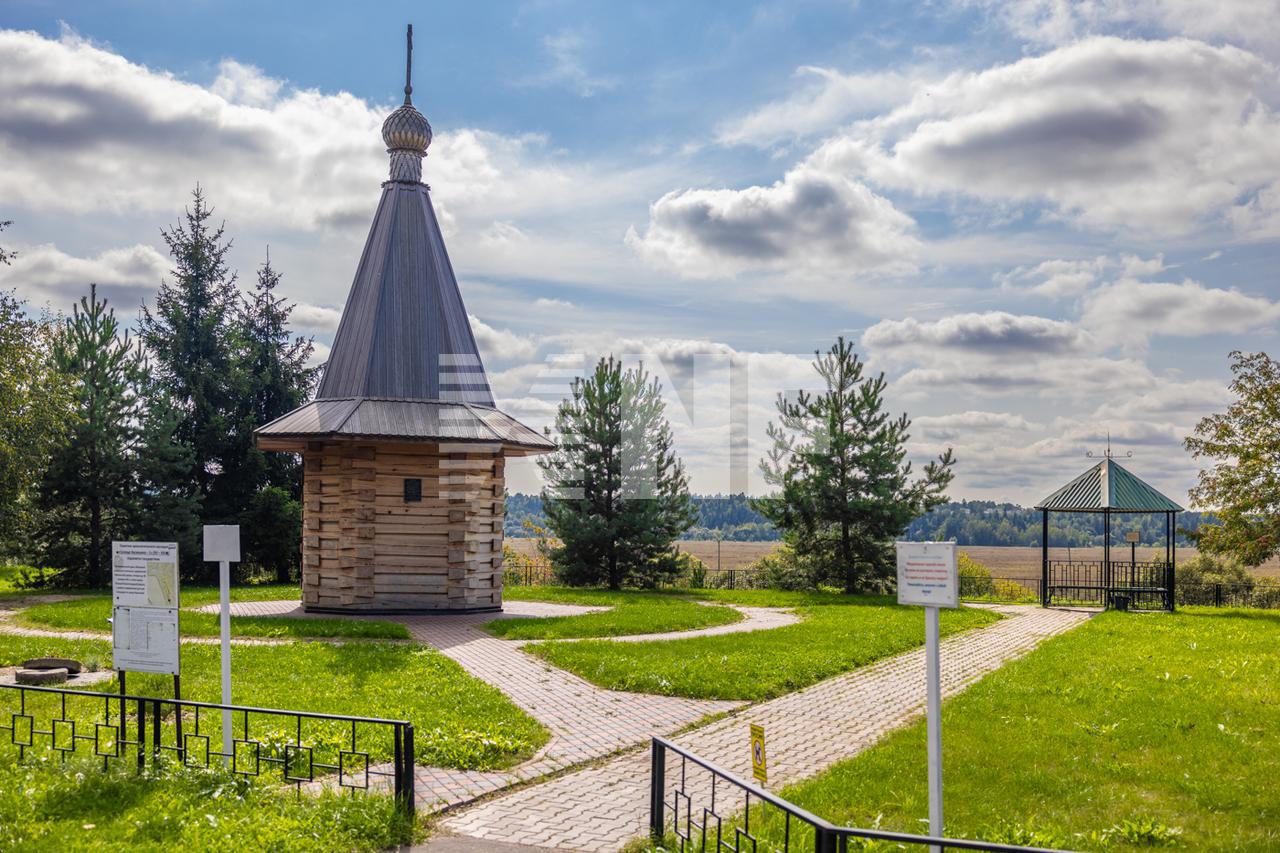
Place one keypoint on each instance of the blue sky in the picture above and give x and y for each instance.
(1044, 221)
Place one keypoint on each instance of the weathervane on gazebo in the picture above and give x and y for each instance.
(1107, 454)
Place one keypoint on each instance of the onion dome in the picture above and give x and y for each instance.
(406, 132)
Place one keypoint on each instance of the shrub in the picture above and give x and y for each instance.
(783, 569)
(1008, 590)
(1195, 578)
(975, 578)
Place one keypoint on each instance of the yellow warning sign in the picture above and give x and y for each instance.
(759, 761)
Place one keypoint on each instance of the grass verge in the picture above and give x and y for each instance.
(90, 613)
(45, 806)
(629, 613)
(459, 720)
(1135, 730)
(837, 633)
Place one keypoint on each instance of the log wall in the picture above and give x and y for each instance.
(366, 548)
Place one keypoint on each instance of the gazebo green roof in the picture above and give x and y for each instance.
(1108, 486)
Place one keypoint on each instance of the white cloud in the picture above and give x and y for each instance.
(995, 333)
(238, 83)
(501, 345)
(568, 69)
(807, 220)
(1152, 137)
(125, 276)
(1130, 312)
(315, 318)
(1255, 22)
(1064, 278)
(830, 99)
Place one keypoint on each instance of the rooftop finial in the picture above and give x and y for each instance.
(408, 66)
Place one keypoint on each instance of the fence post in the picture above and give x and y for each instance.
(142, 733)
(657, 790)
(824, 840)
(155, 731)
(1217, 595)
(410, 803)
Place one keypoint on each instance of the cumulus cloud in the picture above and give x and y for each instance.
(501, 345)
(995, 333)
(1130, 312)
(966, 424)
(1062, 278)
(1110, 133)
(125, 276)
(809, 219)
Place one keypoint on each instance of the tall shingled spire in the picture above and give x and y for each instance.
(404, 361)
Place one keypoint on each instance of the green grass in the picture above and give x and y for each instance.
(90, 613)
(1133, 730)
(630, 613)
(459, 720)
(837, 633)
(47, 808)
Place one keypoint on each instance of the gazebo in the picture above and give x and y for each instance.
(1110, 489)
(403, 447)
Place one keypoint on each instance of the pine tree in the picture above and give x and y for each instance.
(617, 496)
(191, 336)
(89, 482)
(845, 487)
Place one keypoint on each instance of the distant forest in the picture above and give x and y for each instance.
(968, 522)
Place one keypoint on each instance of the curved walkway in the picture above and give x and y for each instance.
(600, 808)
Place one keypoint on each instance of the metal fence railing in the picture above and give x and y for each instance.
(696, 805)
(302, 747)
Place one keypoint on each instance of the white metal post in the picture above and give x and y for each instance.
(934, 721)
(224, 592)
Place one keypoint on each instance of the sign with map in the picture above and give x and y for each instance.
(144, 593)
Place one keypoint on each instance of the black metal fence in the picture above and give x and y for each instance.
(1262, 594)
(146, 729)
(698, 806)
(537, 571)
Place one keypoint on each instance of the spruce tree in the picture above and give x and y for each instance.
(845, 490)
(166, 503)
(191, 337)
(88, 485)
(275, 376)
(616, 494)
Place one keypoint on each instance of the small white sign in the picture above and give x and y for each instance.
(927, 574)
(144, 574)
(222, 543)
(145, 639)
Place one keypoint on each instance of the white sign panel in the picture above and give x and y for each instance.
(144, 619)
(222, 543)
(145, 639)
(927, 574)
(144, 574)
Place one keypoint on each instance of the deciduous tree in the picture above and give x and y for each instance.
(844, 486)
(617, 496)
(1242, 445)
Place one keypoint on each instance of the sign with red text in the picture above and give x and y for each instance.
(927, 574)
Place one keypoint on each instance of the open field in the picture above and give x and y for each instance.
(1133, 730)
(1008, 562)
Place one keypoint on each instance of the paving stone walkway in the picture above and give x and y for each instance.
(600, 808)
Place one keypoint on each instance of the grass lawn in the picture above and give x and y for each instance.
(630, 613)
(1133, 730)
(459, 721)
(837, 633)
(90, 613)
(50, 809)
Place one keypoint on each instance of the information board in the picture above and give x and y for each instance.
(927, 574)
(145, 598)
